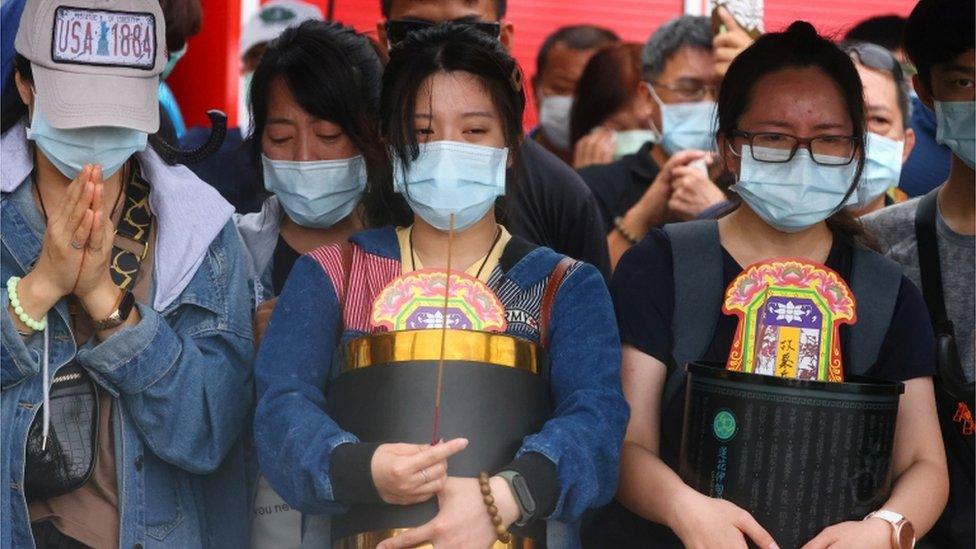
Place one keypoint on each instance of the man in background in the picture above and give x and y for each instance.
(561, 60)
(934, 239)
(928, 164)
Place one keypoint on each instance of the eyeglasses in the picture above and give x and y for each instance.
(690, 89)
(777, 148)
(876, 57)
(398, 29)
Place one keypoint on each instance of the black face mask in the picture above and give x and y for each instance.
(398, 29)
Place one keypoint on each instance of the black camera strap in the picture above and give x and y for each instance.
(955, 396)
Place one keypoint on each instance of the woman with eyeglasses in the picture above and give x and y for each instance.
(791, 129)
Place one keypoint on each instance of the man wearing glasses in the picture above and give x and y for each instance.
(552, 207)
(670, 179)
(887, 113)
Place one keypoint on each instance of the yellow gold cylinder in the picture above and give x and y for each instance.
(368, 540)
(410, 345)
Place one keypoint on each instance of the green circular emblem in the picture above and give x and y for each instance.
(276, 14)
(723, 426)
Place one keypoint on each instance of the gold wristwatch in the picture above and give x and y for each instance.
(119, 315)
(902, 531)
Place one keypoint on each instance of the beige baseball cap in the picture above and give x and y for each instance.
(95, 62)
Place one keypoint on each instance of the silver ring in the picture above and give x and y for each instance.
(423, 472)
(76, 245)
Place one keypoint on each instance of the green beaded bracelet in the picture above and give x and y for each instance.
(36, 325)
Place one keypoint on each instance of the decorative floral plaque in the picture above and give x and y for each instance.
(790, 312)
(415, 301)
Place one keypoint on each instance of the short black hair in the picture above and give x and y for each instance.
(446, 47)
(575, 37)
(334, 74)
(883, 30)
(879, 58)
(183, 20)
(501, 6)
(684, 31)
(938, 31)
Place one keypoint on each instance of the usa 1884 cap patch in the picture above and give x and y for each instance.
(103, 37)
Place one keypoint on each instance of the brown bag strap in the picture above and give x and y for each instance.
(556, 278)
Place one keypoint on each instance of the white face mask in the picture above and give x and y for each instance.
(316, 194)
(631, 141)
(554, 117)
(882, 168)
(956, 126)
(70, 150)
(449, 177)
(687, 126)
(795, 195)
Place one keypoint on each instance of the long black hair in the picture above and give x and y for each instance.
(798, 47)
(442, 48)
(334, 74)
(13, 109)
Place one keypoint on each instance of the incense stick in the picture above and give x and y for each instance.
(440, 361)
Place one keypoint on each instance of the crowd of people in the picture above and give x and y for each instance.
(172, 331)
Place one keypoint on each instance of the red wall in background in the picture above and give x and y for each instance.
(207, 76)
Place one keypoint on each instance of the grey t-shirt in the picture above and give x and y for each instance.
(894, 227)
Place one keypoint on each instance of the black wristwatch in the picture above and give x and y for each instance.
(118, 316)
(526, 504)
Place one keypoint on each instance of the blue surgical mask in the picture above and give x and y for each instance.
(70, 150)
(316, 194)
(554, 117)
(956, 126)
(687, 126)
(449, 177)
(795, 195)
(630, 141)
(174, 58)
(882, 168)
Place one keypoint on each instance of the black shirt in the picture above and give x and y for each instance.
(643, 294)
(281, 263)
(554, 208)
(619, 185)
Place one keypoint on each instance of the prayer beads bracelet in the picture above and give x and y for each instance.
(496, 520)
(36, 325)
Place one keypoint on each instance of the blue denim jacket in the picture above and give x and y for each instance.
(295, 436)
(181, 378)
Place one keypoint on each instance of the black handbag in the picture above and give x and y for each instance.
(68, 459)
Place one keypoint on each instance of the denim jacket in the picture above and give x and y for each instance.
(181, 379)
(295, 436)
